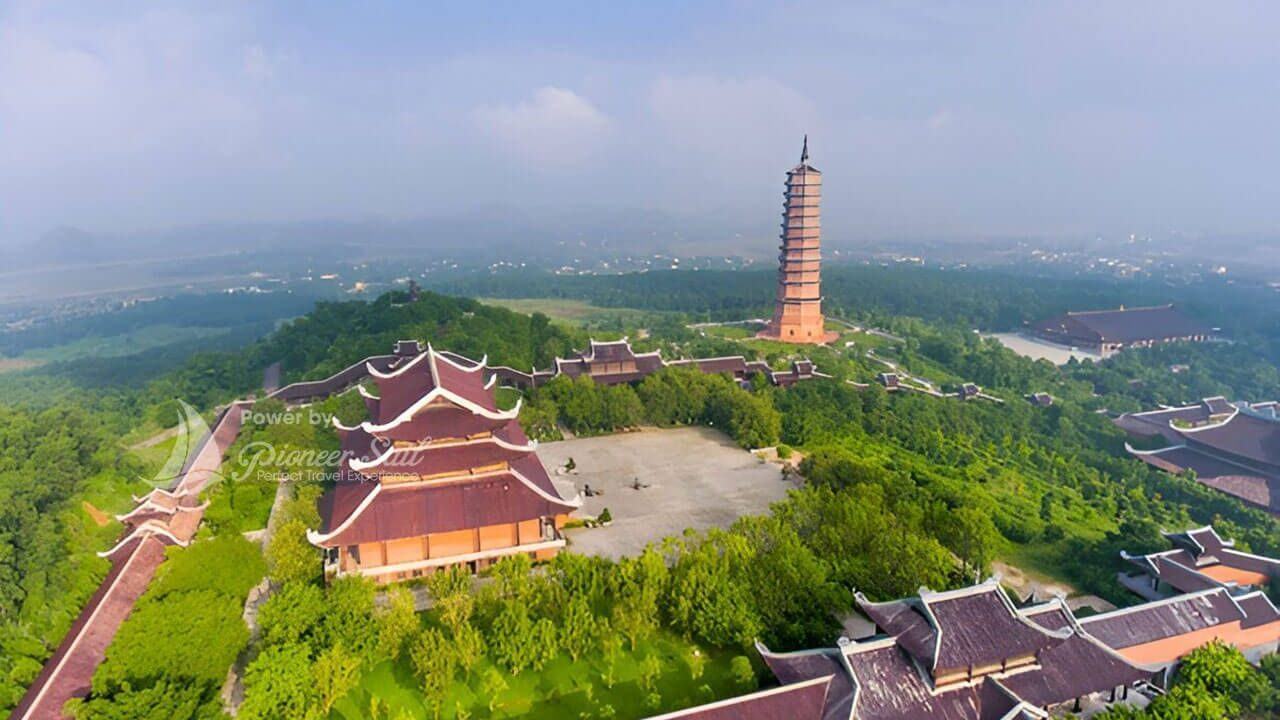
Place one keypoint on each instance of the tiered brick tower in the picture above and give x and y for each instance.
(797, 313)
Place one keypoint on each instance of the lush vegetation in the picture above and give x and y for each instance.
(171, 655)
(904, 490)
(66, 467)
(61, 472)
(673, 396)
(624, 639)
(1214, 682)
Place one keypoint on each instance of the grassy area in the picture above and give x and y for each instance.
(129, 343)
(154, 456)
(863, 341)
(507, 397)
(577, 313)
(563, 689)
(730, 332)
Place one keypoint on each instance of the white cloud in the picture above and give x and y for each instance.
(556, 126)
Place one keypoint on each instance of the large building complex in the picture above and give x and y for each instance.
(970, 654)
(607, 362)
(797, 312)
(614, 362)
(439, 477)
(1108, 331)
(1231, 447)
(1200, 560)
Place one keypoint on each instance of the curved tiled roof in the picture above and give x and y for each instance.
(391, 512)
(1244, 435)
(1162, 619)
(1125, 325)
(801, 701)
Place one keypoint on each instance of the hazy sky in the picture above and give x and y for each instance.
(928, 119)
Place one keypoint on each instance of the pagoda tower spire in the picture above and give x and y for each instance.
(797, 312)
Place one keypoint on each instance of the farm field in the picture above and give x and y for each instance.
(577, 313)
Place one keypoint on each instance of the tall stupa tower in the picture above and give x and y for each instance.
(797, 312)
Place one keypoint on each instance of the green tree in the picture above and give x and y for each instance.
(742, 673)
(279, 683)
(435, 663)
(290, 556)
(511, 638)
(578, 627)
(468, 645)
(292, 614)
(650, 671)
(451, 594)
(397, 622)
(336, 672)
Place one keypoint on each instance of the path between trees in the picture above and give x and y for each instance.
(1028, 586)
(69, 672)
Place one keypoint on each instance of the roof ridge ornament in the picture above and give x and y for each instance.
(804, 151)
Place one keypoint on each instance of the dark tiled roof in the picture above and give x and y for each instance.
(1244, 435)
(904, 620)
(1258, 609)
(1250, 486)
(611, 351)
(417, 509)
(979, 628)
(1258, 491)
(1125, 325)
(337, 504)
(441, 422)
(1248, 561)
(801, 701)
(1181, 576)
(1162, 619)
(1051, 616)
(891, 688)
(736, 365)
(418, 377)
(891, 678)
(1072, 668)
(1199, 541)
(503, 446)
(802, 666)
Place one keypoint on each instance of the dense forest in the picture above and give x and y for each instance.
(67, 465)
(903, 489)
(989, 300)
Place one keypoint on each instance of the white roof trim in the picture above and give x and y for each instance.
(1209, 426)
(1263, 558)
(442, 356)
(1185, 597)
(441, 392)
(161, 491)
(146, 529)
(338, 424)
(375, 372)
(359, 465)
(150, 504)
(315, 538)
(1264, 597)
(688, 712)
(1135, 451)
(366, 394)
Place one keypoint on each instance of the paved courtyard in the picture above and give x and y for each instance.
(1038, 349)
(697, 478)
